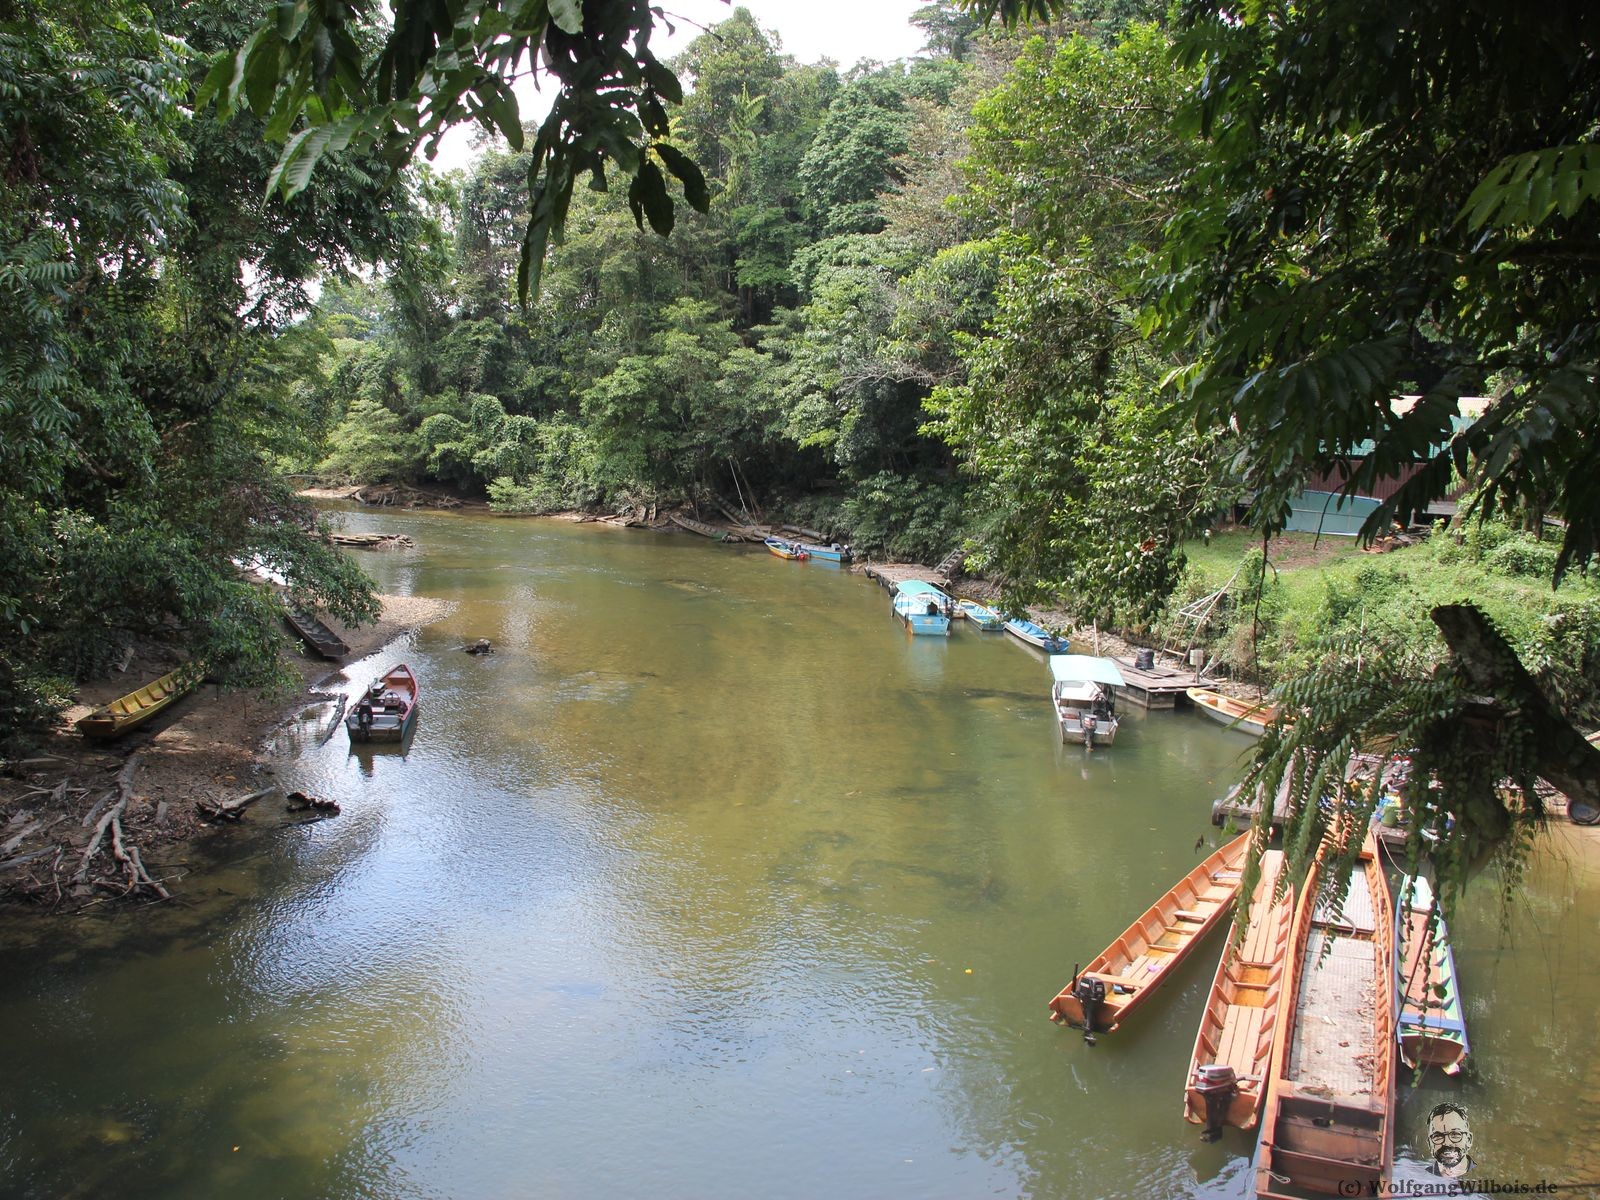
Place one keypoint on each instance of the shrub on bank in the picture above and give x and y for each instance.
(1388, 599)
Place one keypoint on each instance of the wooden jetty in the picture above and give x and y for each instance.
(1159, 685)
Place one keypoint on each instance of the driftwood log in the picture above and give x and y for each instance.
(232, 810)
(302, 802)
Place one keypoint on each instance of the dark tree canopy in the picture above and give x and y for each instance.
(1396, 199)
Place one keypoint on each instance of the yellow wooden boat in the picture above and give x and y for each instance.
(128, 712)
(1327, 1123)
(1238, 714)
(1233, 1048)
(1119, 979)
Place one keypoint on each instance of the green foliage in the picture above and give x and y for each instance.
(325, 76)
(370, 445)
(1378, 211)
(917, 519)
(1374, 694)
(1523, 556)
(1089, 484)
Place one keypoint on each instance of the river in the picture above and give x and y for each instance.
(708, 883)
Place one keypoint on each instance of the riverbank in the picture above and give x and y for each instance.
(207, 749)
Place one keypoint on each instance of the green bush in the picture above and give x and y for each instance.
(1522, 555)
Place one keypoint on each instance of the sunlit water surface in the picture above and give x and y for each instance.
(709, 882)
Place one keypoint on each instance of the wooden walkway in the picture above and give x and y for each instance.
(1160, 686)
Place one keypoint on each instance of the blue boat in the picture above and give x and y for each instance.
(981, 615)
(923, 607)
(1038, 635)
(1431, 1022)
(833, 552)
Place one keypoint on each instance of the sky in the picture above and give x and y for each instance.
(843, 30)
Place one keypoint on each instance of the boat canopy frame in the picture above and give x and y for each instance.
(1085, 668)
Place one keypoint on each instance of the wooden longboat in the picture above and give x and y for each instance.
(981, 615)
(1119, 979)
(315, 634)
(387, 710)
(1242, 1013)
(1038, 635)
(1233, 712)
(127, 713)
(700, 527)
(1327, 1123)
(1432, 1028)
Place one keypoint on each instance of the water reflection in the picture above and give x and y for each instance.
(709, 882)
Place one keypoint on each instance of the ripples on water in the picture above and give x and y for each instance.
(709, 882)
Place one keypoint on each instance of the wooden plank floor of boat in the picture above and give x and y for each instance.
(1358, 914)
(1333, 1022)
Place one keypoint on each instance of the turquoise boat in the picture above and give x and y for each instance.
(981, 615)
(923, 607)
(1430, 1023)
(1038, 635)
(833, 552)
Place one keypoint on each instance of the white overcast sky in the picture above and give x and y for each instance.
(844, 30)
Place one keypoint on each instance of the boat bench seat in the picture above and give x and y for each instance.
(1241, 1032)
(1119, 980)
(1184, 914)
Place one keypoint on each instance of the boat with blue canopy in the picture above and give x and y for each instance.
(1083, 698)
(923, 607)
(1038, 635)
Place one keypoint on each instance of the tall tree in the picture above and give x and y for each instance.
(1404, 200)
(1090, 487)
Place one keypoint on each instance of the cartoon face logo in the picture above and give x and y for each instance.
(1450, 1140)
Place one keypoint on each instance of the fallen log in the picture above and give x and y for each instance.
(333, 725)
(37, 826)
(232, 810)
(19, 860)
(301, 802)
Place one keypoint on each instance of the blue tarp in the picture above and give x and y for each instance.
(1327, 512)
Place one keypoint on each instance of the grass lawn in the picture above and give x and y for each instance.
(1301, 558)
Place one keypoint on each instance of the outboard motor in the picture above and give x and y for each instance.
(1090, 722)
(364, 720)
(1219, 1084)
(1091, 993)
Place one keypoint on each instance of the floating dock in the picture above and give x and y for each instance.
(1160, 685)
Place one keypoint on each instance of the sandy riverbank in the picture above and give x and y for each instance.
(206, 748)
